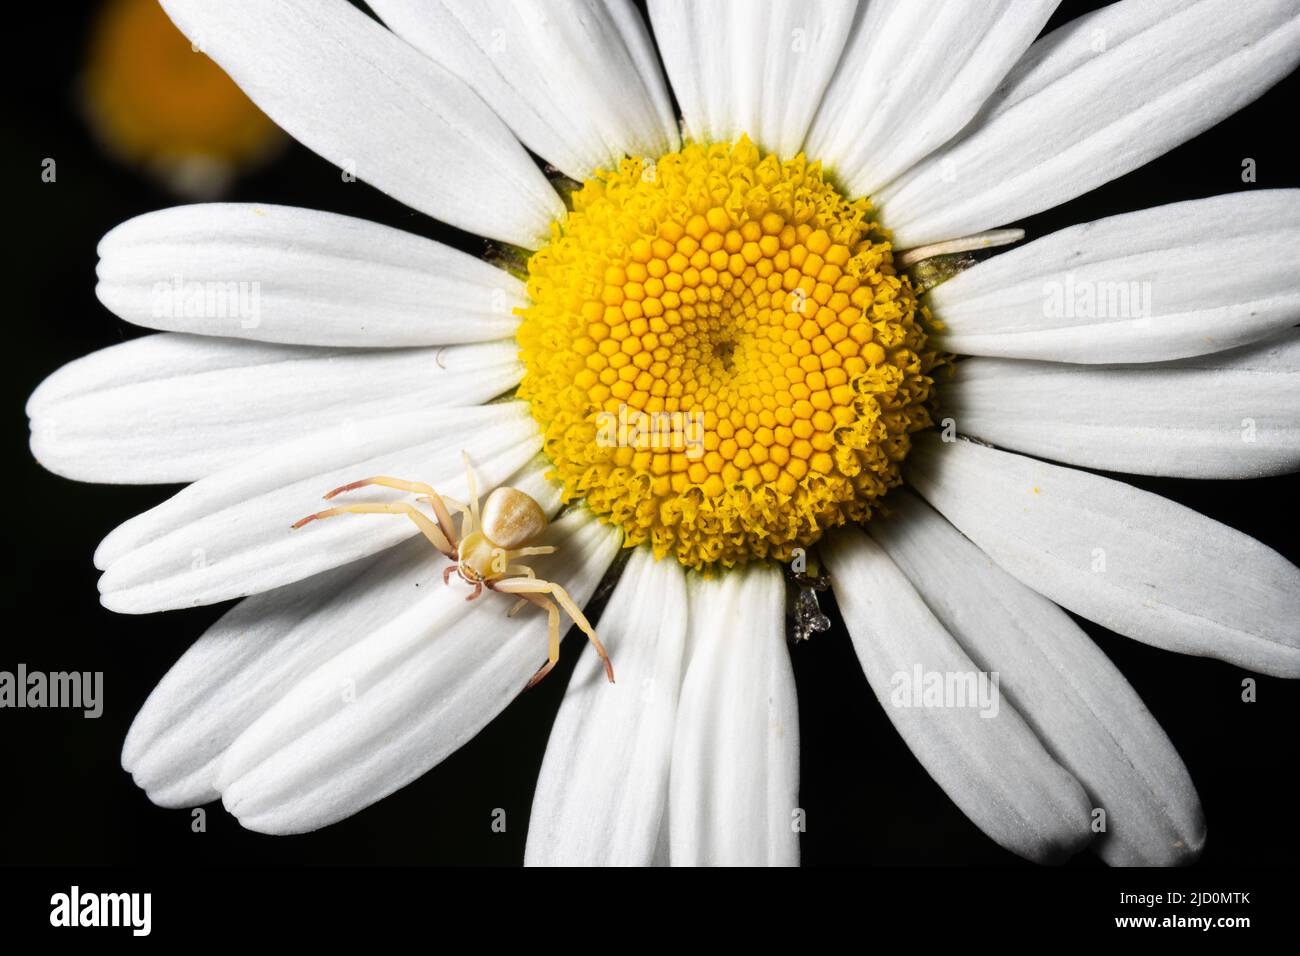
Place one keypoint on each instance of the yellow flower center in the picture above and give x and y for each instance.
(721, 355)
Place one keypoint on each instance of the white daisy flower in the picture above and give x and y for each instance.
(713, 278)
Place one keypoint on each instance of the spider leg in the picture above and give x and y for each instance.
(517, 570)
(440, 510)
(535, 549)
(472, 484)
(553, 636)
(530, 586)
(514, 571)
(422, 521)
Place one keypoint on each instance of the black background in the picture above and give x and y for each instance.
(63, 796)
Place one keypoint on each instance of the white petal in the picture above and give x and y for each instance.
(1164, 283)
(383, 712)
(262, 648)
(603, 789)
(252, 656)
(1080, 706)
(734, 788)
(343, 86)
(280, 274)
(182, 425)
(987, 760)
(153, 357)
(229, 534)
(1232, 414)
(1132, 561)
(578, 81)
(1091, 101)
(755, 67)
(914, 72)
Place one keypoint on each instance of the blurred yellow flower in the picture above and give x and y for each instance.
(156, 101)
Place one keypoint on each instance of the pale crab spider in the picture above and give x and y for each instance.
(488, 542)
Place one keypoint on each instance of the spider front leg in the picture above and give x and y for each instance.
(471, 506)
(530, 587)
(422, 521)
(440, 510)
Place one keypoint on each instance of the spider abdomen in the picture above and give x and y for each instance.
(511, 518)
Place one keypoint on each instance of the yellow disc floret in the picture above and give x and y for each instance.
(721, 355)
